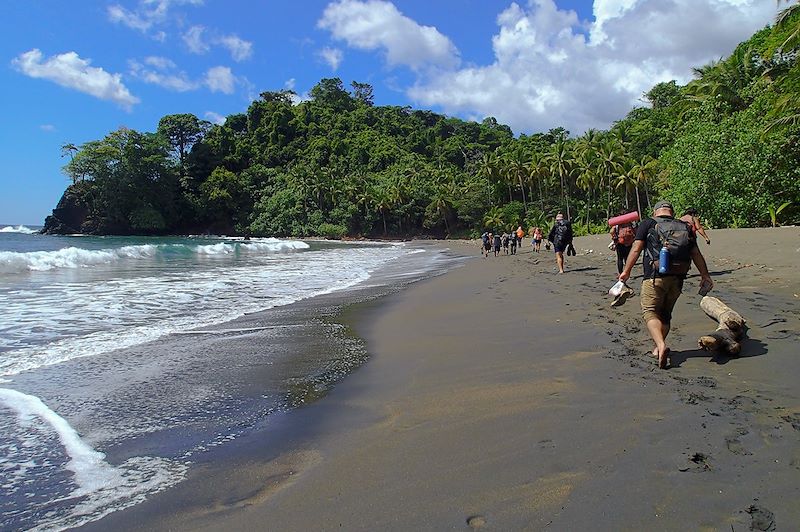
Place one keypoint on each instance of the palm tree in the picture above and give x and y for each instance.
(644, 170)
(489, 169)
(493, 218)
(442, 203)
(70, 149)
(608, 164)
(783, 19)
(537, 167)
(561, 164)
(517, 172)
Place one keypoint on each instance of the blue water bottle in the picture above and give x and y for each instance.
(663, 260)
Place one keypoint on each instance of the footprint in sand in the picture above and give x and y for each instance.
(735, 446)
(762, 518)
(476, 521)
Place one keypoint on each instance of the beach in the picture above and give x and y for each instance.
(501, 395)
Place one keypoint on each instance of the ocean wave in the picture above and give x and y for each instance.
(96, 488)
(18, 229)
(73, 257)
(262, 246)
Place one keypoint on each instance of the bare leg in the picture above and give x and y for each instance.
(560, 261)
(658, 332)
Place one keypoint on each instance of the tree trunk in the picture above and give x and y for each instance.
(729, 332)
(524, 200)
(638, 202)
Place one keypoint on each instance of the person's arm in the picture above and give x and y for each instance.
(702, 267)
(700, 231)
(636, 250)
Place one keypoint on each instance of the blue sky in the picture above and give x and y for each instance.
(73, 71)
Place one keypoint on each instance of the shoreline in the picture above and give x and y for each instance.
(490, 399)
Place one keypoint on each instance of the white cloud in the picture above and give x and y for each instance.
(290, 84)
(378, 25)
(215, 118)
(220, 79)
(194, 40)
(239, 48)
(165, 74)
(48, 128)
(332, 56)
(550, 69)
(69, 70)
(147, 14)
(161, 63)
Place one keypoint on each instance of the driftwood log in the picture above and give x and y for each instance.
(726, 339)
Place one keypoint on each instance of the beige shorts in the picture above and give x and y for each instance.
(658, 297)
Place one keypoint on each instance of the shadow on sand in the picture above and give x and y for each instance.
(750, 348)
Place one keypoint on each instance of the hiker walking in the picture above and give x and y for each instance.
(561, 237)
(622, 236)
(670, 247)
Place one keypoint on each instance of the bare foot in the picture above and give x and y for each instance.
(663, 358)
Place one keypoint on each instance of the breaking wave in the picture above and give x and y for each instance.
(73, 257)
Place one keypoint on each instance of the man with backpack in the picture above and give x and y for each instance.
(622, 236)
(669, 247)
(561, 237)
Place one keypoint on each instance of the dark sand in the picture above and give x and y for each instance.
(505, 397)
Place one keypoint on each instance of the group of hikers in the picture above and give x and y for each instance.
(560, 237)
(668, 245)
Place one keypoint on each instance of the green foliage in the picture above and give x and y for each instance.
(728, 144)
(334, 231)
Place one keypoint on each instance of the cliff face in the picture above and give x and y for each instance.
(70, 214)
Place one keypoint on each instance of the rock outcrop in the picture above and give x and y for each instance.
(69, 215)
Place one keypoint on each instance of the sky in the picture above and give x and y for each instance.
(71, 72)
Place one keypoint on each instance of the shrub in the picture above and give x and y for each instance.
(334, 231)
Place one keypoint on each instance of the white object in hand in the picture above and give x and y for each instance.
(616, 289)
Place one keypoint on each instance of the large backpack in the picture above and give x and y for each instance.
(563, 234)
(677, 236)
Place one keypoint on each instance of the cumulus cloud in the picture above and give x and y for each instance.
(162, 72)
(214, 118)
(239, 48)
(551, 69)
(198, 43)
(220, 79)
(148, 13)
(69, 70)
(193, 37)
(379, 25)
(332, 56)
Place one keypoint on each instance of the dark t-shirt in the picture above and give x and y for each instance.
(641, 234)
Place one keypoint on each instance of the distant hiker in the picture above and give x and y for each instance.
(664, 236)
(561, 237)
(486, 238)
(513, 243)
(497, 244)
(691, 218)
(537, 239)
(505, 238)
(520, 234)
(622, 236)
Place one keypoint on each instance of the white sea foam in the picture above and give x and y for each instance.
(98, 488)
(66, 320)
(18, 229)
(261, 246)
(74, 257)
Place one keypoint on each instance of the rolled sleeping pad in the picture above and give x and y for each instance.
(624, 219)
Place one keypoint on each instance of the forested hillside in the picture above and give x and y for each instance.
(727, 144)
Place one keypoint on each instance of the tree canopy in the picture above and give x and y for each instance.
(727, 143)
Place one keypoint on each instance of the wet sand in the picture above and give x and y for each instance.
(506, 397)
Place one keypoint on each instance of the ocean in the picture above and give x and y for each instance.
(126, 361)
